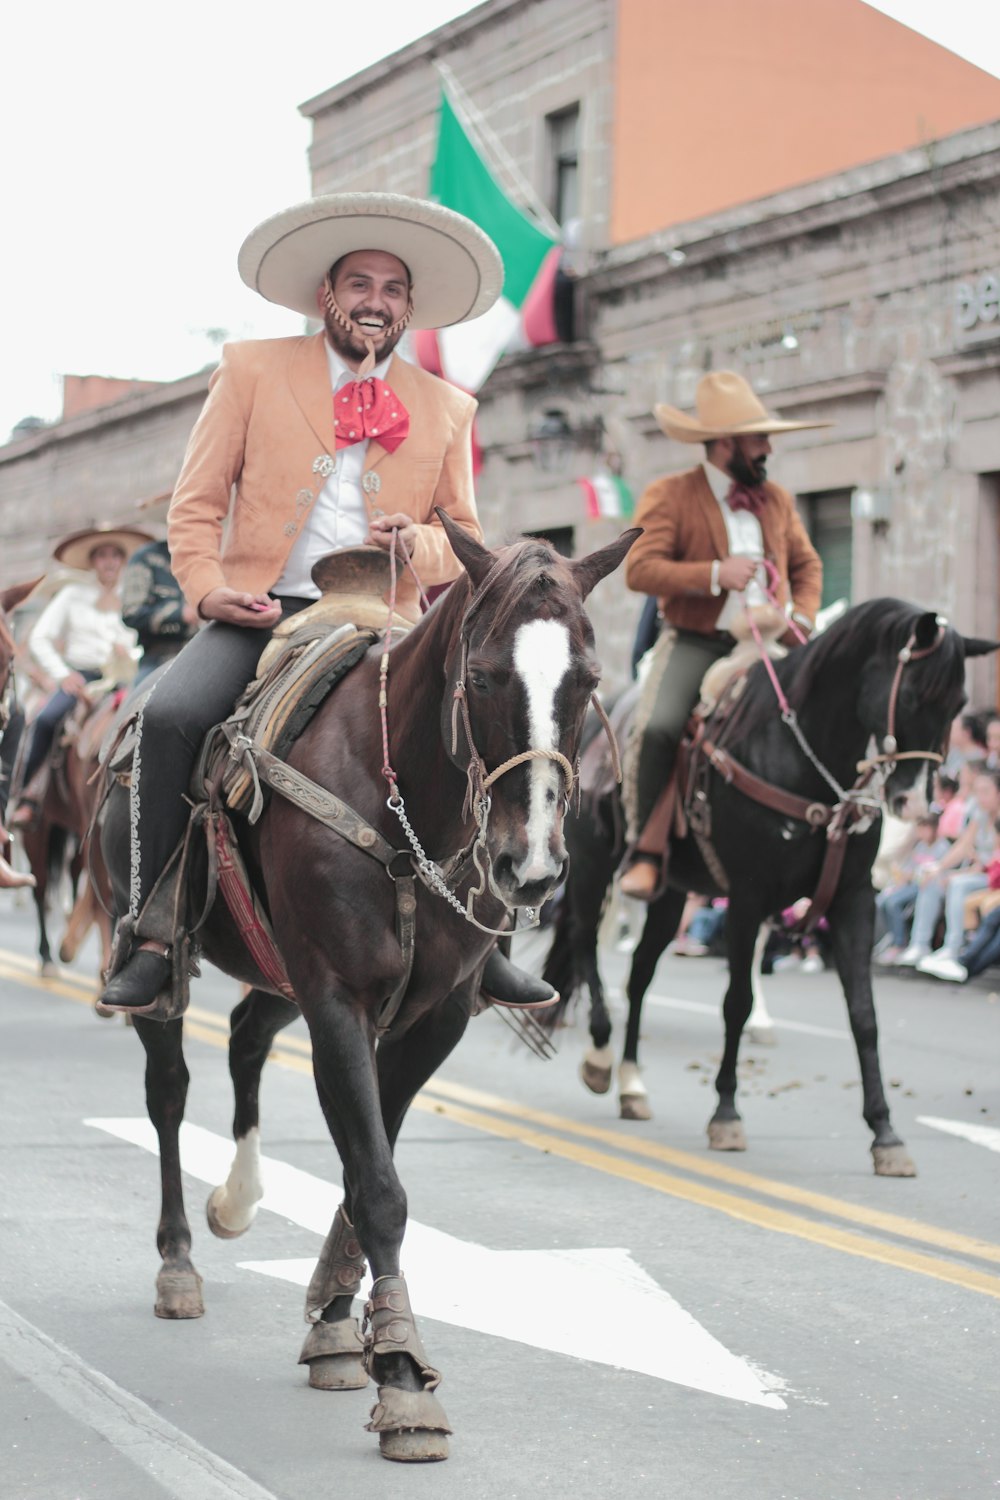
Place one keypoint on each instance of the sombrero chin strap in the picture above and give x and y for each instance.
(344, 322)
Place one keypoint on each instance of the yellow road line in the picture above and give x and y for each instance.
(293, 1054)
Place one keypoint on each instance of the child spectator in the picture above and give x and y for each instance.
(895, 902)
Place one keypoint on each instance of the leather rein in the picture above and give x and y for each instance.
(855, 808)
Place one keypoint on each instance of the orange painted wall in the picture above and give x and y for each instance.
(718, 102)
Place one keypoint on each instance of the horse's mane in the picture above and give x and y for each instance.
(524, 567)
(879, 627)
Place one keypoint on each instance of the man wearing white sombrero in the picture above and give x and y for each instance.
(305, 446)
(76, 638)
(706, 533)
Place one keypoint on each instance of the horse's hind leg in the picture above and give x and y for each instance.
(253, 1025)
(178, 1285)
(852, 925)
(662, 920)
(725, 1128)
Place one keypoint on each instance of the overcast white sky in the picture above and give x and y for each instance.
(142, 143)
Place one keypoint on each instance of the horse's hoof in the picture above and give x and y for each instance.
(893, 1161)
(763, 1036)
(413, 1447)
(66, 955)
(411, 1425)
(596, 1068)
(178, 1295)
(634, 1107)
(334, 1353)
(49, 970)
(216, 1225)
(726, 1135)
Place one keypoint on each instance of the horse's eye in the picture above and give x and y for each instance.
(479, 681)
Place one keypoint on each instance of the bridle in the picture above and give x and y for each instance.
(890, 748)
(478, 802)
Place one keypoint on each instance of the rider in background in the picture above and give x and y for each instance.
(78, 635)
(153, 605)
(706, 533)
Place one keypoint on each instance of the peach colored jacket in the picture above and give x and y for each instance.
(267, 420)
(684, 533)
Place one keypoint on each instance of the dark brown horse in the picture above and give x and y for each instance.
(887, 674)
(56, 842)
(511, 644)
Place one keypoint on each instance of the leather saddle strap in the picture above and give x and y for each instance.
(333, 813)
(816, 814)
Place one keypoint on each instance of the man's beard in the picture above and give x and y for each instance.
(751, 473)
(352, 345)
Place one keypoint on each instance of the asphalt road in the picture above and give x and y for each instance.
(616, 1310)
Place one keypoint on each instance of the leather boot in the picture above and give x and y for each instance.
(137, 987)
(504, 984)
(642, 878)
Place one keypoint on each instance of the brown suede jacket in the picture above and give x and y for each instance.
(684, 533)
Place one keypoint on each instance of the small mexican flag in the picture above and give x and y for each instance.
(462, 180)
(607, 495)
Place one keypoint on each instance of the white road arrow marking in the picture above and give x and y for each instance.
(980, 1135)
(535, 1297)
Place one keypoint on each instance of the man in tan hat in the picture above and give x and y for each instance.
(706, 534)
(78, 635)
(305, 446)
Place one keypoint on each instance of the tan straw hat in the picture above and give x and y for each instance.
(74, 550)
(455, 268)
(725, 406)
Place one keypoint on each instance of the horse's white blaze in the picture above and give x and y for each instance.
(235, 1202)
(541, 660)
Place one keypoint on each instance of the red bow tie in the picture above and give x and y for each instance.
(741, 497)
(369, 409)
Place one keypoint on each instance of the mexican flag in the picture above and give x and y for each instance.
(522, 315)
(607, 495)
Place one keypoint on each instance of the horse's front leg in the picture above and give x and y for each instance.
(408, 1417)
(662, 920)
(178, 1285)
(760, 1024)
(725, 1128)
(253, 1025)
(852, 927)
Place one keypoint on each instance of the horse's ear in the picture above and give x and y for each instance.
(476, 559)
(975, 647)
(591, 569)
(17, 593)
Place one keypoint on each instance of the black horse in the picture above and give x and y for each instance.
(885, 672)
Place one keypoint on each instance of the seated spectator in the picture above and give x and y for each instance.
(950, 803)
(895, 902)
(945, 883)
(967, 741)
(980, 952)
(704, 930)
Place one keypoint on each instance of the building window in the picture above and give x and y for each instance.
(561, 538)
(827, 518)
(563, 132)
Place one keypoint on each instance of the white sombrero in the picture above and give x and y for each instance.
(455, 268)
(75, 549)
(725, 406)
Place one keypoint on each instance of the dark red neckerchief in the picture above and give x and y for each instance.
(742, 497)
(369, 409)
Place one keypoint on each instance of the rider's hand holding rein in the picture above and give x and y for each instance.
(76, 685)
(235, 607)
(736, 571)
(381, 528)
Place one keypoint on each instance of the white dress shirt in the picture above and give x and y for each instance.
(745, 540)
(72, 635)
(338, 517)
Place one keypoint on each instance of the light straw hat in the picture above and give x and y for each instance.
(74, 550)
(725, 406)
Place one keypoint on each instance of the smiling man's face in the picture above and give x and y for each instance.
(372, 289)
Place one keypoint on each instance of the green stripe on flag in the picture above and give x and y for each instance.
(461, 180)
